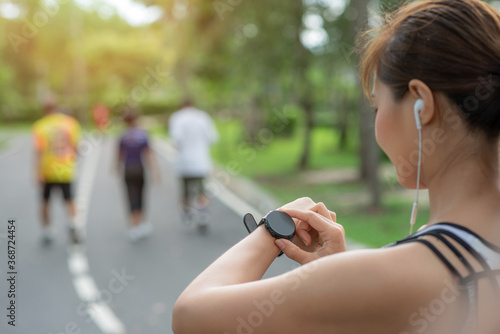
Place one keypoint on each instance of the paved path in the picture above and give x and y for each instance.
(114, 286)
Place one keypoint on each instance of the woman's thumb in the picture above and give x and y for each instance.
(292, 251)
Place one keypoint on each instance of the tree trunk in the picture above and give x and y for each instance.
(306, 149)
(369, 151)
(303, 89)
(253, 121)
(369, 154)
(343, 123)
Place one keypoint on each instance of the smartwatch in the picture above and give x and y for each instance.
(278, 223)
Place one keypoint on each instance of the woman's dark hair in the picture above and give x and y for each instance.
(130, 115)
(187, 102)
(453, 46)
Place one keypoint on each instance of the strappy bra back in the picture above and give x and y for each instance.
(467, 255)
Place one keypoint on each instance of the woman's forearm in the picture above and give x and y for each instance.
(247, 261)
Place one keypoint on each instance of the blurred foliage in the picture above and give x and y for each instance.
(247, 56)
(81, 56)
(234, 58)
(239, 55)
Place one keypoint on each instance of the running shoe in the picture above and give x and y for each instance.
(145, 229)
(133, 233)
(47, 236)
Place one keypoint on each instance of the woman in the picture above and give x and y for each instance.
(133, 153)
(442, 60)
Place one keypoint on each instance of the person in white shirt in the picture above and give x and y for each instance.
(193, 132)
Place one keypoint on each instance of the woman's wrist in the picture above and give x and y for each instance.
(265, 241)
(246, 261)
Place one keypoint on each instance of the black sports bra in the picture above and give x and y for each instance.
(474, 248)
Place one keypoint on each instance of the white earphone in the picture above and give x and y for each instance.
(419, 105)
(417, 108)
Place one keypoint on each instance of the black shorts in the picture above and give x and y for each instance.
(195, 183)
(65, 188)
(134, 180)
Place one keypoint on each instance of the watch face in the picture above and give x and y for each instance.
(249, 222)
(281, 223)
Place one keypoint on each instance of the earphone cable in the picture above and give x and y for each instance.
(415, 204)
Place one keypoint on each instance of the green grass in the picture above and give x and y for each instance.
(17, 127)
(276, 155)
(382, 228)
(158, 131)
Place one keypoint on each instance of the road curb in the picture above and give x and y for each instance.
(249, 191)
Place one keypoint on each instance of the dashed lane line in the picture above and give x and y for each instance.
(78, 266)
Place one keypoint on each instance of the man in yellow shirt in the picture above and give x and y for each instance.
(56, 138)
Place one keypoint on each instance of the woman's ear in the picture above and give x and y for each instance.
(419, 90)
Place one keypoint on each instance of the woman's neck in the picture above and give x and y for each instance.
(467, 192)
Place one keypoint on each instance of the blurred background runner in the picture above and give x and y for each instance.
(100, 115)
(56, 138)
(193, 132)
(133, 153)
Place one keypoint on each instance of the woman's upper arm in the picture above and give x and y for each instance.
(346, 293)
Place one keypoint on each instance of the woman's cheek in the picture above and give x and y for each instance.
(385, 134)
(381, 132)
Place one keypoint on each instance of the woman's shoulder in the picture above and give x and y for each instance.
(385, 285)
(395, 268)
(382, 290)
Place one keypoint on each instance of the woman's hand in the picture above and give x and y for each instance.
(317, 232)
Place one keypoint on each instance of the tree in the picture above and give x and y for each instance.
(369, 149)
(79, 55)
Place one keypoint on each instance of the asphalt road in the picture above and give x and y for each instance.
(136, 283)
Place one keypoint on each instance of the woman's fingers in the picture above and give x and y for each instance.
(333, 215)
(302, 203)
(322, 210)
(304, 236)
(305, 204)
(314, 219)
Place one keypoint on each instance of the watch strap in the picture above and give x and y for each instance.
(272, 233)
(251, 225)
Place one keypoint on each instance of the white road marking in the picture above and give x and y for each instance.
(235, 203)
(84, 284)
(86, 288)
(105, 318)
(78, 263)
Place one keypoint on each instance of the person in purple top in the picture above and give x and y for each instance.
(134, 152)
